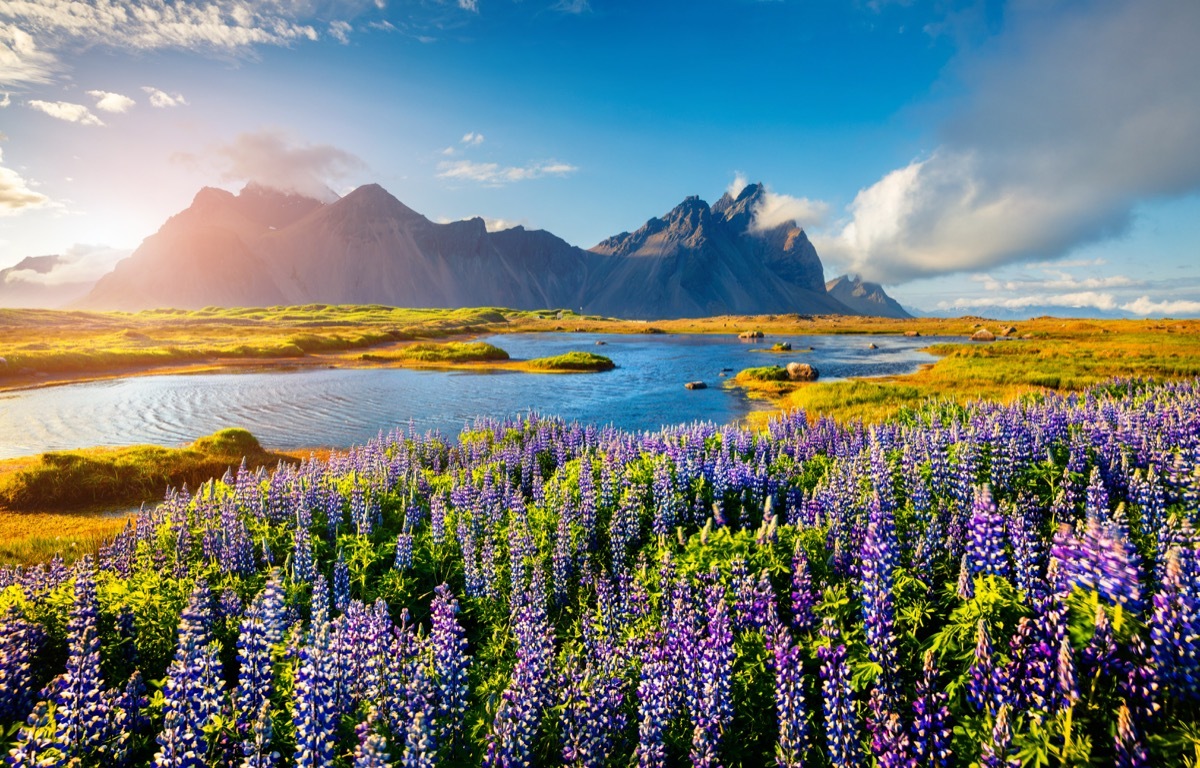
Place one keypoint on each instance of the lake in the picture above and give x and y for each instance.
(340, 407)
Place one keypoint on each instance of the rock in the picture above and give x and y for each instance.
(726, 370)
(983, 334)
(912, 333)
(750, 335)
(783, 346)
(695, 385)
(722, 375)
(601, 343)
(872, 345)
(802, 372)
(1009, 331)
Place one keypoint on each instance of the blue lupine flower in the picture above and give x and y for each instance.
(194, 695)
(787, 661)
(841, 717)
(1130, 751)
(931, 731)
(450, 664)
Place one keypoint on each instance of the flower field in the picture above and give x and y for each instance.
(992, 585)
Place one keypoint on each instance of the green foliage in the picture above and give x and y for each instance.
(572, 361)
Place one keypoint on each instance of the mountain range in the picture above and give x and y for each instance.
(264, 247)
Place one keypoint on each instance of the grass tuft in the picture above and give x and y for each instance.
(572, 361)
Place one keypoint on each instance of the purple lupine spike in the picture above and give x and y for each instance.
(714, 707)
(262, 628)
(450, 665)
(878, 581)
(966, 585)
(372, 748)
(1175, 625)
(931, 733)
(1067, 690)
(315, 714)
(804, 595)
(20, 642)
(341, 583)
(1140, 686)
(889, 738)
(404, 552)
(519, 715)
(997, 751)
(194, 695)
(656, 704)
(1100, 655)
(1130, 751)
(78, 694)
(986, 552)
(786, 658)
(841, 717)
(36, 743)
(593, 715)
(981, 688)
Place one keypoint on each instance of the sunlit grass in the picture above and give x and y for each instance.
(572, 361)
(448, 352)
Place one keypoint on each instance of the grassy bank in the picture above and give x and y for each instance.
(449, 352)
(67, 502)
(1057, 356)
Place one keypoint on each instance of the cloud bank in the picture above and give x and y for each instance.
(162, 99)
(81, 263)
(495, 174)
(272, 159)
(15, 194)
(66, 111)
(106, 101)
(1077, 113)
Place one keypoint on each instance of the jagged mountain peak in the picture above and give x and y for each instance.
(865, 297)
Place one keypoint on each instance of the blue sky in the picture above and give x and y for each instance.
(964, 154)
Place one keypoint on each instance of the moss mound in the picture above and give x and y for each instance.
(573, 361)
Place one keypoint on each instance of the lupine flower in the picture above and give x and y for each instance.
(404, 552)
(804, 596)
(1131, 752)
(450, 664)
(372, 751)
(841, 717)
(789, 700)
(520, 712)
(20, 641)
(889, 739)
(997, 751)
(878, 610)
(656, 705)
(982, 691)
(341, 583)
(261, 630)
(986, 554)
(195, 690)
(931, 732)
(714, 708)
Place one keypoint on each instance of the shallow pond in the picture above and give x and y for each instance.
(345, 406)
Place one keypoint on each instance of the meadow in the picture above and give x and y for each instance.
(989, 584)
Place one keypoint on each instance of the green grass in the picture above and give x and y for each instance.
(448, 352)
(764, 373)
(572, 361)
(122, 477)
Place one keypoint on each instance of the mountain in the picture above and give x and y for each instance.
(865, 298)
(698, 260)
(264, 247)
(29, 283)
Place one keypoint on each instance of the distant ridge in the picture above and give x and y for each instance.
(264, 247)
(865, 298)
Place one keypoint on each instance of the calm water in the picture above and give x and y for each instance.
(342, 407)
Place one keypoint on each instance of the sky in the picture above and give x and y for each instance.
(964, 154)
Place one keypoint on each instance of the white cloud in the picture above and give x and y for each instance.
(274, 160)
(81, 263)
(65, 110)
(1075, 113)
(775, 209)
(1167, 308)
(472, 139)
(21, 60)
(1078, 300)
(162, 99)
(499, 225)
(111, 102)
(737, 185)
(495, 174)
(15, 194)
(229, 26)
(340, 31)
(469, 5)
(5, 101)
